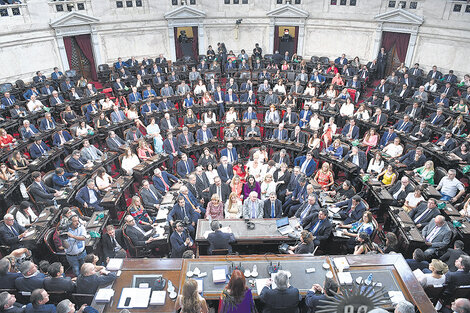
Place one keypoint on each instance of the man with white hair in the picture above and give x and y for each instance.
(11, 232)
(253, 207)
(89, 280)
(404, 307)
(56, 99)
(283, 298)
(67, 306)
(420, 95)
(449, 186)
(461, 305)
(34, 105)
(225, 170)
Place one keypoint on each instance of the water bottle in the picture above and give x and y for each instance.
(368, 281)
(118, 187)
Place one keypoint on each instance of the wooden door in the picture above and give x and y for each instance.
(393, 62)
(79, 62)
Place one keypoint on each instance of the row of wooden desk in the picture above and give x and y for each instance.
(391, 270)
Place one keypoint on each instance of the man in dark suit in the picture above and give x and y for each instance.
(358, 158)
(133, 135)
(424, 213)
(39, 78)
(56, 99)
(414, 111)
(118, 85)
(38, 149)
(61, 137)
(170, 146)
(165, 105)
(163, 180)
(11, 232)
(281, 157)
(446, 142)
(218, 239)
(185, 138)
(8, 303)
(353, 210)
(461, 277)
(47, 89)
(379, 118)
(450, 78)
(32, 279)
(57, 281)
(421, 132)
(150, 195)
(185, 166)
(8, 100)
(307, 212)
(351, 131)
(408, 81)
(230, 152)
(280, 133)
(434, 74)
(113, 243)
(401, 189)
(225, 170)
(382, 87)
(321, 228)
(114, 142)
(202, 183)
(298, 195)
(389, 104)
(453, 254)
(284, 298)
(404, 125)
(89, 196)
(182, 211)
(437, 119)
(203, 134)
(290, 118)
(7, 278)
(222, 190)
(272, 207)
(41, 192)
(117, 116)
(168, 123)
(137, 235)
(306, 163)
(180, 240)
(77, 164)
(413, 159)
(90, 281)
(298, 136)
(193, 189)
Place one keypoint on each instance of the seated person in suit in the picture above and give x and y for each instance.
(414, 111)
(61, 137)
(89, 196)
(185, 166)
(90, 281)
(421, 131)
(90, 152)
(437, 119)
(272, 207)
(305, 246)
(283, 296)
(114, 142)
(452, 255)
(165, 105)
(203, 134)
(185, 138)
(41, 192)
(218, 239)
(113, 245)
(38, 149)
(32, 279)
(437, 235)
(230, 152)
(170, 146)
(306, 163)
(56, 280)
(401, 189)
(450, 187)
(7, 277)
(353, 210)
(413, 158)
(163, 180)
(420, 95)
(11, 232)
(77, 164)
(180, 240)
(252, 206)
(150, 195)
(61, 179)
(28, 130)
(167, 90)
(137, 234)
(252, 130)
(8, 100)
(39, 298)
(225, 170)
(90, 90)
(47, 123)
(446, 142)
(148, 93)
(321, 228)
(318, 293)
(18, 111)
(404, 125)
(56, 99)
(133, 135)
(461, 277)
(117, 116)
(351, 131)
(168, 123)
(7, 300)
(148, 108)
(118, 85)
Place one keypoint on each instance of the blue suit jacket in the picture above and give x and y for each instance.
(408, 127)
(224, 152)
(147, 93)
(134, 97)
(200, 136)
(355, 131)
(321, 78)
(450, 144)
(169, 105)
(35, 152)
(53, 101)
(299, 191)
(56, 138)
(181, 167)
(31, 283)
(115, 117)
(217, 98)
(29, 93)
(75, 165)
(283, 134)
(84, 196)
(311, 166)
(5, 101)
(167, 146)
(384, 141)
(177, 243)
(43, 124)
(234, 97)
(55, 75)
(250, 116)
(223, 175)
(445, 101)
(61, 181)
(355, 215)
(145, 108)
(44, 90)
(301, 116)
(439, 121)
(26, 135)
(166, 177)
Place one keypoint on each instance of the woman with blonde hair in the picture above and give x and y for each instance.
(437, 276)
(144, 151)
(267, 186)
(236, 186)
(324, 177)
(190, 301)
(140, 215)
(215, 208)
(425, 173)
(233, 206)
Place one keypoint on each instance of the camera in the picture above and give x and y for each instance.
(63, 228)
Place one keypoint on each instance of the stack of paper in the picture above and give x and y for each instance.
(114, 264)
(200, 285)
(341, 263)
(396, 296)
(138, 298)
(158, 297)
(345, 278)
(219, 275)
(104, 295)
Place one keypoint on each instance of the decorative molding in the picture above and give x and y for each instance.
(73, 19)
(288, 11)
(185, 12)
(399, 16)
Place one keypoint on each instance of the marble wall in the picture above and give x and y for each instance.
(28, 42)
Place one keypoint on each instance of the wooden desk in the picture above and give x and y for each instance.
(407, 230)
(114, 195)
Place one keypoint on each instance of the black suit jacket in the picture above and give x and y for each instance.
(40, 195)
(324, 230)
(276, 301)
(8, 238)
(202, 182)
(450, 256)
(138, 239)
(426, 133)
(90, 284)
(59, 284)
(416, 212)
(220, 240)
(300, 138)
(306, 222)
(194, 190)
(225, 191)
(267, 208)
(30, 283)
(108, 246)
(402, 195)
(147, 197)
(285, 159)
(8, 280)
(454, 280)
(418, 111)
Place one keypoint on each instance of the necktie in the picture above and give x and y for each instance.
(231, 155)
(113, 241)
(49, 126)
(433, 234)
(413, 111)
(316, 227)
(253, 210)
(153, 195)
(135, 136)
(172, 146)
(165, 184)
(10, 101)
(273, 211)
(43, 187)
(305, 212)
(204, 136)
(378, 119)
(421, 216)
(187, 139)
(219, 192)
(304, 166)
(40, 149)
(187, 167)
(226, 171)
(446, 91)
(13, 230)
(434, 119)
(280, 134)
(350, 131)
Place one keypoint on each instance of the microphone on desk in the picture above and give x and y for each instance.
(407, 228)
(396, 211)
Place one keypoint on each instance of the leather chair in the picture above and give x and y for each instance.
(439, 173)
(47, 178)
(134, 251)
(49, 242)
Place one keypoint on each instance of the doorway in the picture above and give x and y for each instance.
(396, 47)
(186, 42)
(80, 56)
(286, 39)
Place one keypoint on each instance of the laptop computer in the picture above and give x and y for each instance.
(283, 226)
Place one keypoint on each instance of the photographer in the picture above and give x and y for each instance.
(74, 243)
(180, 241)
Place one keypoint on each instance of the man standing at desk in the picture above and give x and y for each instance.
(218, 239)
(75, 244)
(449, 186)
(283, 296)
(252, 207)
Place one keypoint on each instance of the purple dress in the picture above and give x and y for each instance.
(227, 303)
(247, 189)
